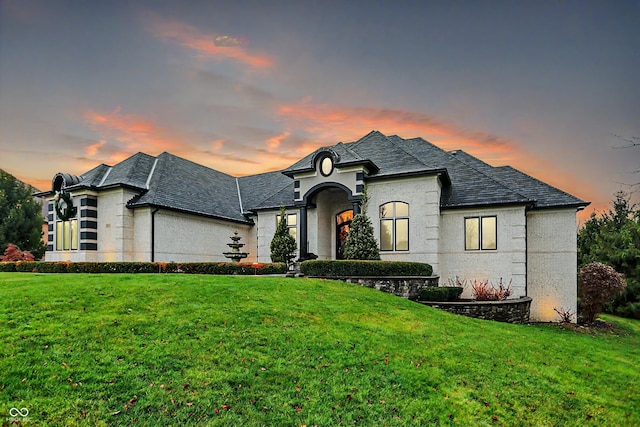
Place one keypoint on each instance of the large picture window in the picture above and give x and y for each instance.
(394, 226)
(292, 224)
(67, 235)
(480, 233)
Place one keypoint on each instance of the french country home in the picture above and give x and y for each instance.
(464, 217)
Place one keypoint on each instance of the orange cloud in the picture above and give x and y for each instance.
(92, 149)
(205, 44)
(133, 132)
(332, 123)
(275, 142)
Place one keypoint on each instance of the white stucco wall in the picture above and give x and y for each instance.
(142, 235)
(125, 235)
(553, 262)
(423, 196)
(115, 226)
(344, 176)
(508, 261)
(190, 238)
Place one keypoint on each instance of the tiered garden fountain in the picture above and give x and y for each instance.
(235, 255)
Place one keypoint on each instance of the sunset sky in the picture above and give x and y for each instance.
(549, 87)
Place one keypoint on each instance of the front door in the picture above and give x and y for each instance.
(343, 222)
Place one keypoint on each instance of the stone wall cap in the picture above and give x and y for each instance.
(474, 302)
(373, 277)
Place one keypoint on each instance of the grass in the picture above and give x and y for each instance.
(156, 350)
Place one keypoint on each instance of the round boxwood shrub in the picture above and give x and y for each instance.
(444, 293)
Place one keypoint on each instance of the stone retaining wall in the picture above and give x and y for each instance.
(511, 310)
(402, 286)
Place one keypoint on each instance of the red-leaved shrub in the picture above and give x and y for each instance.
(600, 283)
(13, 253)
(484, 291)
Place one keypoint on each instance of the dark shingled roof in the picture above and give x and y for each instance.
(542, 195)
(171, 182)
(258, 191)
(132, 172)
(186, 186)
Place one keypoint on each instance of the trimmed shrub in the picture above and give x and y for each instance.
(7, 267)
(440, 293)
(145, 267)
(600, 283)
(27, 266)
(346, 268)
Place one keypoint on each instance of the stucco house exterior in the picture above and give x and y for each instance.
(464, 217)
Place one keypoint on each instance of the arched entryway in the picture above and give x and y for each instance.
(343, 224)
(326, 212)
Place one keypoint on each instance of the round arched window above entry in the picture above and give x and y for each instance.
(326, 166)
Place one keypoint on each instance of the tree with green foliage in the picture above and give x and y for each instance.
(283, 245)
(20, 216)
(614, 239)
(361, 243)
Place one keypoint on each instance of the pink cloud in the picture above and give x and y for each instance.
(333, 123)
(204, 44)
(133, 132)
(275, 142)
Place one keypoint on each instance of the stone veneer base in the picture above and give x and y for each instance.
(402, 286)
(511, 310)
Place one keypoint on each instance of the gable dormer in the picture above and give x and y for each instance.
(336, 166)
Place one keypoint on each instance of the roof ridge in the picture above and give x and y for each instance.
(373, 132)
(405, 150)
(353, 153)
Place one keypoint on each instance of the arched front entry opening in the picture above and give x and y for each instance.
(325, 218)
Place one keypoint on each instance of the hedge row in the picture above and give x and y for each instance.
(444, 293)
(144, 267)
(346, 268)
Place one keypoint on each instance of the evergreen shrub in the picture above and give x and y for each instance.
(346, 268)
(144, 267)
(7, 267)
(440, 293)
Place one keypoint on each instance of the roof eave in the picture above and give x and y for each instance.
(371, 167)
(525, 203)
(200, 214)
(439, 172)
(578, 206)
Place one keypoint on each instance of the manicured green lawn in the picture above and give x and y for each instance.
(156, 350)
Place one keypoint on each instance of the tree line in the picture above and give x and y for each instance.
(613, 238)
